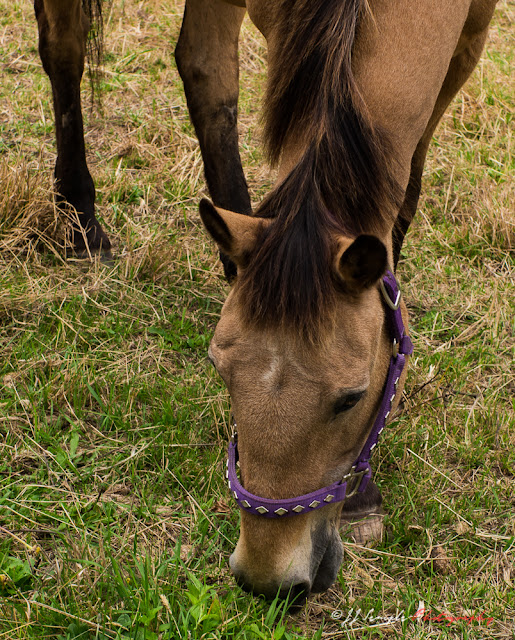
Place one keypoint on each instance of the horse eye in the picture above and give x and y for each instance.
(347, 402)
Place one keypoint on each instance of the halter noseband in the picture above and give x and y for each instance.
(358, 477)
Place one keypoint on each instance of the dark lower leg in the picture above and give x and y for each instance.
(207, 59)
(362, 516)
(63, 30)
(222, 164)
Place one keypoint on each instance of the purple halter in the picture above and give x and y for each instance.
(358, 477)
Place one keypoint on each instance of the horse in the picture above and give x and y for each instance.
(312, 339)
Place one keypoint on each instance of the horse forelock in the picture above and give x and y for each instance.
(288, 281)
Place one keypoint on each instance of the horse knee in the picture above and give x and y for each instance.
(194, 75)
(213, 106)
(183, 56)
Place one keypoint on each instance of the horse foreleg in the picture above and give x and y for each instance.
(460, 68)
(207, 59)
(63, 29)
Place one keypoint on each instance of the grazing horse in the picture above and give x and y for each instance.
(311, 341)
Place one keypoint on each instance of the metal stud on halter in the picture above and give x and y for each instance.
(357, 479)
(262, 510)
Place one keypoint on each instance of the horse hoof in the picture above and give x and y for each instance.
(364, 530)
(89, 241)
(86, 247)
(82, 252)
(83, 255)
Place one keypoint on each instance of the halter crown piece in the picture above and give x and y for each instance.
(357, 479)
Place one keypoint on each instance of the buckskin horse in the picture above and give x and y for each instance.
(312, 339)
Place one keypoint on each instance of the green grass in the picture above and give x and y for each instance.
(115, 521)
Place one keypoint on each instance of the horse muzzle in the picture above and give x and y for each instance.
(311, 567)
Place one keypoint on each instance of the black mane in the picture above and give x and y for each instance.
(342, 184)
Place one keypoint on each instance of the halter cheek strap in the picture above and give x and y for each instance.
(357, 479)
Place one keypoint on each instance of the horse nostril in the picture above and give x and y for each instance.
(297, 594)
(241, 582)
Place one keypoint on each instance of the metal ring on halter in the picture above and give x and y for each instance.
(393, 305)
(353, 480)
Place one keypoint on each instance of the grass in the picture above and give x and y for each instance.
(114, 517)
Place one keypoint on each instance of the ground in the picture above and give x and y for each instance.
(114, 517)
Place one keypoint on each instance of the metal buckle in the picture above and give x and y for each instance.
(234, 434)
(393, 305)
(354, 479)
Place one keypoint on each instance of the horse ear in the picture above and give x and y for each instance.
(234, 233)
(361, 263)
